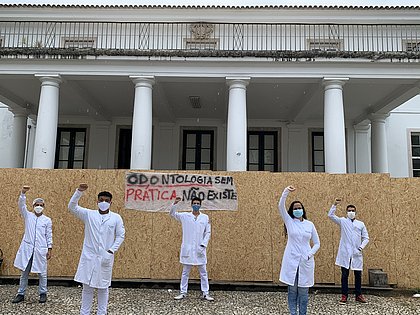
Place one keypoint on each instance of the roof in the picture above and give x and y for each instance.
(238, 7)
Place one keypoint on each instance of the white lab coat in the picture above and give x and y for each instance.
(298, 252)
(196, 231)
(103, 232)
(353, 235)
(36, 240)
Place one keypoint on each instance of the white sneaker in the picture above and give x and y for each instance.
(207, 297)
(180, 297)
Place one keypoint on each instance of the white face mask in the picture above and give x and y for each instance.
(103, 206)
(38, 209)
(351, 215)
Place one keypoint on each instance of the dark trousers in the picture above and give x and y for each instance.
(345, 281)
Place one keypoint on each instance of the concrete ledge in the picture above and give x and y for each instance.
(215, 285)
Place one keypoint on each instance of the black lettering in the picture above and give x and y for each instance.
(154, 180)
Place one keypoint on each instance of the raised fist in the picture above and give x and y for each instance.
(25, 189)
(291, 188)
(82, 187)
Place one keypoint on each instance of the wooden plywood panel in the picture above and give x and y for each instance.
(241, 240)
(166, 243)
(405, 208)
(246, 245)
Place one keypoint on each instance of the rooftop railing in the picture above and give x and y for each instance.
(209, 39)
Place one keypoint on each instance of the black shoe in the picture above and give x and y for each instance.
(18, 298)
(43, 298)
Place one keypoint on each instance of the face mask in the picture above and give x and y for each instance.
(103, 206)
(351, 215)
(196, 207)
(38, 209)
(297, 213)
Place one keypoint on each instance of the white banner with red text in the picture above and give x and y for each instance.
(148, 191)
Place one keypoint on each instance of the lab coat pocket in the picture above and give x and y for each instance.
(185, 251)
(107, 259)
(357, 253)
(201, 251)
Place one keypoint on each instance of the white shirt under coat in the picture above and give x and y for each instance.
(196, 231)
(36, 240)
(298, 254)
(354, 235)
(103, 232)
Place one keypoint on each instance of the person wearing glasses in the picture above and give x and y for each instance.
(196, 232)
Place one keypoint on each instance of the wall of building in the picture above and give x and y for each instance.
(253, 234)
(6, 129)
(400, 123)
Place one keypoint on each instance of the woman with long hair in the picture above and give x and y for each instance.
(298, 265)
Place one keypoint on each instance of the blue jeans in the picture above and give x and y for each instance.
(297, 296)
(24, 280)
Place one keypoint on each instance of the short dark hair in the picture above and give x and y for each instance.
(195, 199)
(105, 194)
(351, 206)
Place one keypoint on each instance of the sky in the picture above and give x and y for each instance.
(223, 2)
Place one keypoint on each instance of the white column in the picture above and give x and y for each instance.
(334, 131)
(17, 150)
(31, 143)
(47, 121)
(361, 147)
(141, 143)
(378, 143)
(236, 149)
(6, 130)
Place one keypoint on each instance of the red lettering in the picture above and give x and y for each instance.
(152, 191)
(128, 193)
(164, 196)
(173, 195)
(146, 196)
(138, 195)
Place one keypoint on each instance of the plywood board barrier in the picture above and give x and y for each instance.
(246, 245)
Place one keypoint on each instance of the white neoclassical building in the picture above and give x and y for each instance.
(275, 88)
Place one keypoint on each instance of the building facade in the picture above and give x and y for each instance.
(201, 87)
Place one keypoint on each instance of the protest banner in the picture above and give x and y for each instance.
(157, 191)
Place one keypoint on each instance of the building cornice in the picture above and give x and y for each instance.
(224, 7)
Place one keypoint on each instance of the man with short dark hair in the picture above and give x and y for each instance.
(104, 234)
(196, 233)
(354, 238)
(35, 248)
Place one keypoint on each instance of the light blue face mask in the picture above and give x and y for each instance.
(297, 213)
(196, 207)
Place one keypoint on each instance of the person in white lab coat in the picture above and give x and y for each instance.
(104, 234)
(354, 238)
(196, 232)
(298, 265)
(35, 248)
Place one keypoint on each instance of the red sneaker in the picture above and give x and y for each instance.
(361, 299)
(343, 299)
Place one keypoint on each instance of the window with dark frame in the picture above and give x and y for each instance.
(415, 153)
(317, 143)
(198, 150)
(71, 148)
(262, 151)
